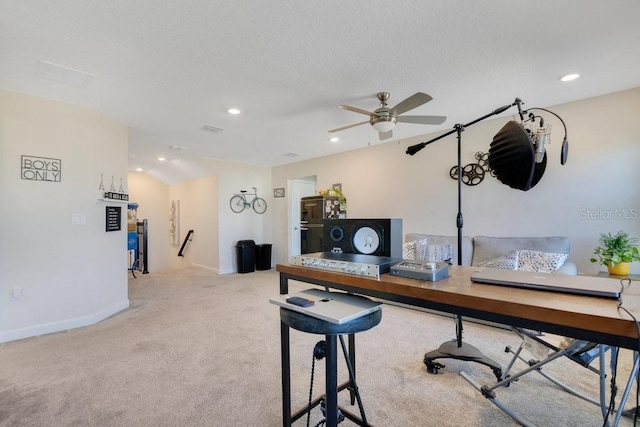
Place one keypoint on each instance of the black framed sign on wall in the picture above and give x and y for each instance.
(113, 218)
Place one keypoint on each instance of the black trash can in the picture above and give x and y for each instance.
(246, 256)
(263, 256)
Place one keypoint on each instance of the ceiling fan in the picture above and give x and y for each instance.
(384, 119)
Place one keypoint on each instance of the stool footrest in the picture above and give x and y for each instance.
(315, 402)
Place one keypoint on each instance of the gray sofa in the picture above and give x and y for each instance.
(477, 249)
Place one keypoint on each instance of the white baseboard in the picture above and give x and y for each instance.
(204, 267)
(62, 325)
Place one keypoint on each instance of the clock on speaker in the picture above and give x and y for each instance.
(382, 237)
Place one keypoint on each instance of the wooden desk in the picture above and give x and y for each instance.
(588, 318)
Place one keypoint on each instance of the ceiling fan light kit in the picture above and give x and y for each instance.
(383, 123)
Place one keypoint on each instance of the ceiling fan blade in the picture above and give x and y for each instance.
(411, 102)
(356, 110)
(385, 135)
(423, 120)
(348, 126)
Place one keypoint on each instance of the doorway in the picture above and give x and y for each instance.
(298, 188)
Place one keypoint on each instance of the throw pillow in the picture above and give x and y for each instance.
(541, 262)
(433, 253)
(409, 250)
(506, 262)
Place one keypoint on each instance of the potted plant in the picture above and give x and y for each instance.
(616, 252)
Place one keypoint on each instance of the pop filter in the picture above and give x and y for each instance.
(512, 157)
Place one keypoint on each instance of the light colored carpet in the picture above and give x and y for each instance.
(198, 349)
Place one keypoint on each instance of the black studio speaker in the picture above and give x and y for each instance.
(382, 237)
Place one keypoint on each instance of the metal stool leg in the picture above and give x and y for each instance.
(352, 378)
(331, 376)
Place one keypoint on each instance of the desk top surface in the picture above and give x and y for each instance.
(600, 315)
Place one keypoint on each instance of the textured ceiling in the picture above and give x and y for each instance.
(166, 68)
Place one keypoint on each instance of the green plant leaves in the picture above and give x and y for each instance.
(614, 249)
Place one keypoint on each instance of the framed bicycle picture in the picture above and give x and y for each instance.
(278, 192)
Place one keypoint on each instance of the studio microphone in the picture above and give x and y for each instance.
(543, 136)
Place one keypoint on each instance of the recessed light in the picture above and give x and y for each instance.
(233, 111)
(139, 169)
(569, 77)
(334, 139)
(162, 159)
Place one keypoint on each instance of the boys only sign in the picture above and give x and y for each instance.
(41, 169)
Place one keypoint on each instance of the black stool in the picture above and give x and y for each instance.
(313, 325)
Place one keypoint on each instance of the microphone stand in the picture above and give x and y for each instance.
(461, 350)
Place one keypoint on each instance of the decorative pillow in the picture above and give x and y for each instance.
(506, 262)
(434, 253)
(541, 262)
(409, 250)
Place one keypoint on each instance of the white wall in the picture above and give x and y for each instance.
(595, 192)
(70, 275)
(152, 197)
(204, 208)
(246, 225)
(198, 212)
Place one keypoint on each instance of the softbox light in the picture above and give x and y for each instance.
(512, 157)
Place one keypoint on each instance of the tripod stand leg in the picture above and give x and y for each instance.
(457, 349)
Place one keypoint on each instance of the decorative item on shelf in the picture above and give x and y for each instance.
(616, 252)
(343, 202)
(336, 191)
(112, 195)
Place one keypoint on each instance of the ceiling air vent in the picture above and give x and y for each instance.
(291, 154)
(212, 128)
(61, 74)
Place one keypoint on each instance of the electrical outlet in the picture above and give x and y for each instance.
(16, 293)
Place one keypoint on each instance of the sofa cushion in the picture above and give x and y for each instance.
(486, 248)
(432, 239)
(542, 262)
(409, 250)
(506, 262)
(424, 251)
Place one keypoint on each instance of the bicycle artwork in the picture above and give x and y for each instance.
(239, 202)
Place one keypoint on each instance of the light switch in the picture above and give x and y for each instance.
(78, 219)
